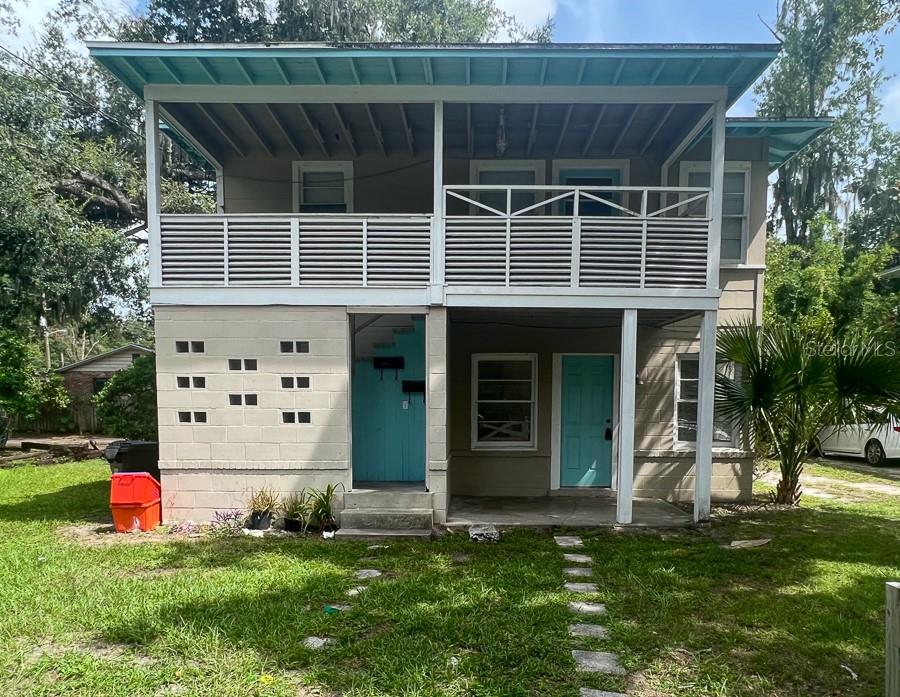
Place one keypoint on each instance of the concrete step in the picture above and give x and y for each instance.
(387, 518)
(387, 498)
(372, 533)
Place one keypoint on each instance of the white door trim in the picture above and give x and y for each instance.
(556, 420)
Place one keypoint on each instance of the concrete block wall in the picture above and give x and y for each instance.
(215, 465)
(671, 477)
(437, 443)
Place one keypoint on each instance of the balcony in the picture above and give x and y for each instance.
(489, 236)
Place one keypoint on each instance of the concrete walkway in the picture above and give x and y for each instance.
(569, 511)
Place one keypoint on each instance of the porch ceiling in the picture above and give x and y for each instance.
(735, 66)
(344, 131)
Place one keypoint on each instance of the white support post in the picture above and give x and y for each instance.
(705, 405)
(437, 222)
(892, 639)
(717, 184)
(627, 380)
(151, 131)
(295, 251)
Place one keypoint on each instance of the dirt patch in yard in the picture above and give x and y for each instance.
(837, 489)
(105, 535)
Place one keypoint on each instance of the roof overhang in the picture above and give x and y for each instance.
(134, 348)
(734, 66)
(786, 137)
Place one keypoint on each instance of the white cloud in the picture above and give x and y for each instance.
(529, 12)
(891, 103)
(32, 13)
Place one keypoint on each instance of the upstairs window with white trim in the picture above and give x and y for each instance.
(506, 173)
(687, 388)
(735, 204)
(323, 187)
(504, 401)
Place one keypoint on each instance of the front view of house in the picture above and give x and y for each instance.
(448, 272)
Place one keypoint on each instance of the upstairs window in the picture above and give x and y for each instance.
(506, 173)
(735, 204)
(323, 187)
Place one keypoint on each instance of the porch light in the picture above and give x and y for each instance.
(501, 132)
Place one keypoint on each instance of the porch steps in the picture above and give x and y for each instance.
(392, 511)
(387, 518)
(375, 534)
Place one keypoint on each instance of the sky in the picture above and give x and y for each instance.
(612, 21)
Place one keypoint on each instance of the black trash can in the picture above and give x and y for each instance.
(133, 456)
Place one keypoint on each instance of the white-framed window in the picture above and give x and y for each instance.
(504, 401)
(687, 388)
(506, 173)
(735, 204)
(323, 187)
(591, 173)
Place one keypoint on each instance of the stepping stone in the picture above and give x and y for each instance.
(581, 587)
(316, 642)
(356, 590)
(368, 573)
(578, 571)
(597, 662)
(594, 631)
(585, 608)
(577, 558)
(568, 541)
(588, 692)
(377, 547)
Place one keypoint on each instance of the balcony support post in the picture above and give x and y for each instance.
(717, 184)
(151, 131)
(705, 423)
(437, 220)
(627, 380)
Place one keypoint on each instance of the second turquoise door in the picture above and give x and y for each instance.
(586, 421)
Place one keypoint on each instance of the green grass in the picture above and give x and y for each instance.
(686, 616)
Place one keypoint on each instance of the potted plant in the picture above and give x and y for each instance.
(321, 514)
(262, 505)
(295, 511)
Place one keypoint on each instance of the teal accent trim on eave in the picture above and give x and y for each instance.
(735, 66)
(786, 137)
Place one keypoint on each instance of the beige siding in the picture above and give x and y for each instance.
(110, 364)
(239, 440)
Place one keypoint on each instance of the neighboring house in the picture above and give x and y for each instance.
(481, 270)
(84, 379)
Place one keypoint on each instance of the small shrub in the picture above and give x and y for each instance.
(296, 507)
(321, 515)
(227, 524)
(263, 501)
(126, 406)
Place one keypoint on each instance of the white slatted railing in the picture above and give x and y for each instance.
(626, 237)
(295, 250)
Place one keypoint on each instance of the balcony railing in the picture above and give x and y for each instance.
(295, 250)
(629, 237)
(579, 237)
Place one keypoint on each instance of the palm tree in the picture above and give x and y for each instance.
(789, 385)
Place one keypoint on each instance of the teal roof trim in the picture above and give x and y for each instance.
(733, 65)
(786, 137)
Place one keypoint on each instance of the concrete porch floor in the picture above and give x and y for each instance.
(570, 511)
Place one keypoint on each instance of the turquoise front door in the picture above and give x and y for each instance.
(388, 421)
(586, 421)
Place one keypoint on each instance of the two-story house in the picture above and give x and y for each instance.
(456, 270)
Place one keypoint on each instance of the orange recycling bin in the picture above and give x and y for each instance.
(135, 501)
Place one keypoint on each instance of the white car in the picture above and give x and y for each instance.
(875, 443)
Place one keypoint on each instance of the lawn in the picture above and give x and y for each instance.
(197, 617)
